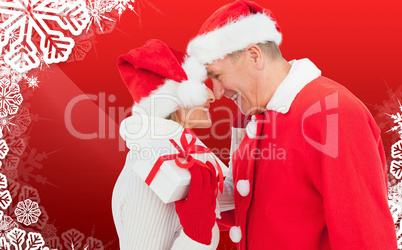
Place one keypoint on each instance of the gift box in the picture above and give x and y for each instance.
(169, 181)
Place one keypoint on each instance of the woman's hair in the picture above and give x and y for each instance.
(172, 116)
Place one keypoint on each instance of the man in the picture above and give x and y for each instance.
(311, 171)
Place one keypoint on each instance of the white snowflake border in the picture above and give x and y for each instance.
(20, 19)
(396, 149)
(28, 15)
(395, 192)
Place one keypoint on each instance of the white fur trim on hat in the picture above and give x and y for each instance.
(235, 234)
(193, 92)
(161, 102)
(233, 36)
(172, 95)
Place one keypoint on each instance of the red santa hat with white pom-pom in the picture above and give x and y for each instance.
(161, 79)
(231, 28)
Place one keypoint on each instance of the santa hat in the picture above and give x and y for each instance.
(231, 28)
(160, 79)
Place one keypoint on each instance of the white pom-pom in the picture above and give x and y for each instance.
(194, 69)
(235, 234)
(192, 93)
(251, 128)
(243, 187)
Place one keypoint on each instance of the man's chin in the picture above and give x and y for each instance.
(244, 106)
(246, 110)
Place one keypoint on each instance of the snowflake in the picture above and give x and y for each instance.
(395, 192)
(10, 97)
(10, 173)
(32, 82)
(11, 162)
(3, 182)
(16, 77)
(122, 5)
(58, 3)
(396, 169)
(6, 225)
(16, 124)
(15, 146)
(42, 61)
(14, 35)
(395, 210)
(48, 231)
(97, 10)
(80, 50)
(31, 194)
(31, 161)
(54, 242)
(27, 212)
(27, 16)
(3, 149)
(32, 240)
(74, 239)
(398, 120)
(6, 70)
(396, 150)
(5, 199)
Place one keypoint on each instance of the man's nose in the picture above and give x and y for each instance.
(218, 90)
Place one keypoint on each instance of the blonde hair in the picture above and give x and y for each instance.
(172, 116)
(269, 48)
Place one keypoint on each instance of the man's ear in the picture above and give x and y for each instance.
(255, 54)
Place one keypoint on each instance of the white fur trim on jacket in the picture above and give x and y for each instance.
(301, 73)
(233, 36)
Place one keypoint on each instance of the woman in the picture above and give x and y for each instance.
(168, 98)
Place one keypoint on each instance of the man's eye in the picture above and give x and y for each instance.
(217, 76)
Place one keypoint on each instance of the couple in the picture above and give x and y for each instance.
(328, 190)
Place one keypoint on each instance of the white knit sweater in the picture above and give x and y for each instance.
(142, 220)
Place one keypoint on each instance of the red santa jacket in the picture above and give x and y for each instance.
(317, 175)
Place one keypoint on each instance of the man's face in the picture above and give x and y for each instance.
(235, 80)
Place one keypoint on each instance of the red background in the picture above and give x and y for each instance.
(356, 43)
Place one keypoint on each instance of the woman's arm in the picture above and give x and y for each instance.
(226, 199)
(142, 220)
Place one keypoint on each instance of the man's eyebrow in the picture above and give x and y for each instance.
(210, 72)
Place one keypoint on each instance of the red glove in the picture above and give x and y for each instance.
(197, 212)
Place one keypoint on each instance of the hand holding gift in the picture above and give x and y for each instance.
(169, 178)
(197, 212)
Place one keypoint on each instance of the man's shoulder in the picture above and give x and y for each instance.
(329, 94)
(323, 98)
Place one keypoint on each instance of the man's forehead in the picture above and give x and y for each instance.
(210, 69)
(217, 65)
(213, 66)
